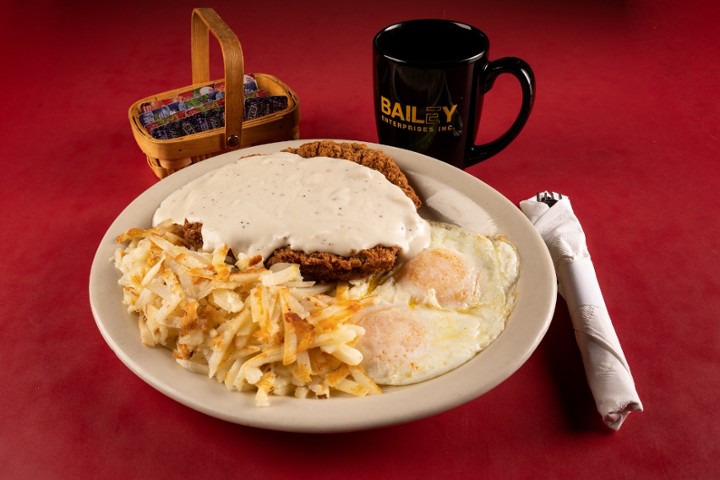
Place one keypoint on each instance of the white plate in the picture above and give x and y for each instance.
(454, 196)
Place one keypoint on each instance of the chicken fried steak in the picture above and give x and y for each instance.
(361, 154)
(328, 267)
(325, 266)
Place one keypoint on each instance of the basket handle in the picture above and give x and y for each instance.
(205, 20)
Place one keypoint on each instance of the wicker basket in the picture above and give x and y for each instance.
(167, 156)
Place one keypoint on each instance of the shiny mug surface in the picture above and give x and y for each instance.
(430, 77)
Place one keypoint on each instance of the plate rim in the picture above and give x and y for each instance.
(337, 414)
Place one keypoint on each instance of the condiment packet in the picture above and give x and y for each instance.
(203, 108)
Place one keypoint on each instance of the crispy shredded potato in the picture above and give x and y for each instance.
(248, 327)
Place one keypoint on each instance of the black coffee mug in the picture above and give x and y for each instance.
(430, 77)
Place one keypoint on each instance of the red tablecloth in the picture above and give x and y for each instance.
(626, 122)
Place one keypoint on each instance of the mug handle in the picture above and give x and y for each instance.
(522, 71)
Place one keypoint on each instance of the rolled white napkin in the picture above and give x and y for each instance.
(607, 371)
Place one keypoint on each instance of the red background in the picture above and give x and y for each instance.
(626, 123)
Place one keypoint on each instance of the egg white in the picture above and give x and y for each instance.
(440, 308)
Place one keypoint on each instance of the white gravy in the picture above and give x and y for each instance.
(262, 203)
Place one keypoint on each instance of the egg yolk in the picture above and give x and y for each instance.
(391, 338)
(393, 331)
(451, 276)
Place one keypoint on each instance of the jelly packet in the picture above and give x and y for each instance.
(203, 108)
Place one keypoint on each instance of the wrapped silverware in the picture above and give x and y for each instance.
(606, 368)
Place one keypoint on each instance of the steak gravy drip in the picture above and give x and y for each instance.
(261, 203)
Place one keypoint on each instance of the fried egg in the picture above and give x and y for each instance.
(440, 308)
